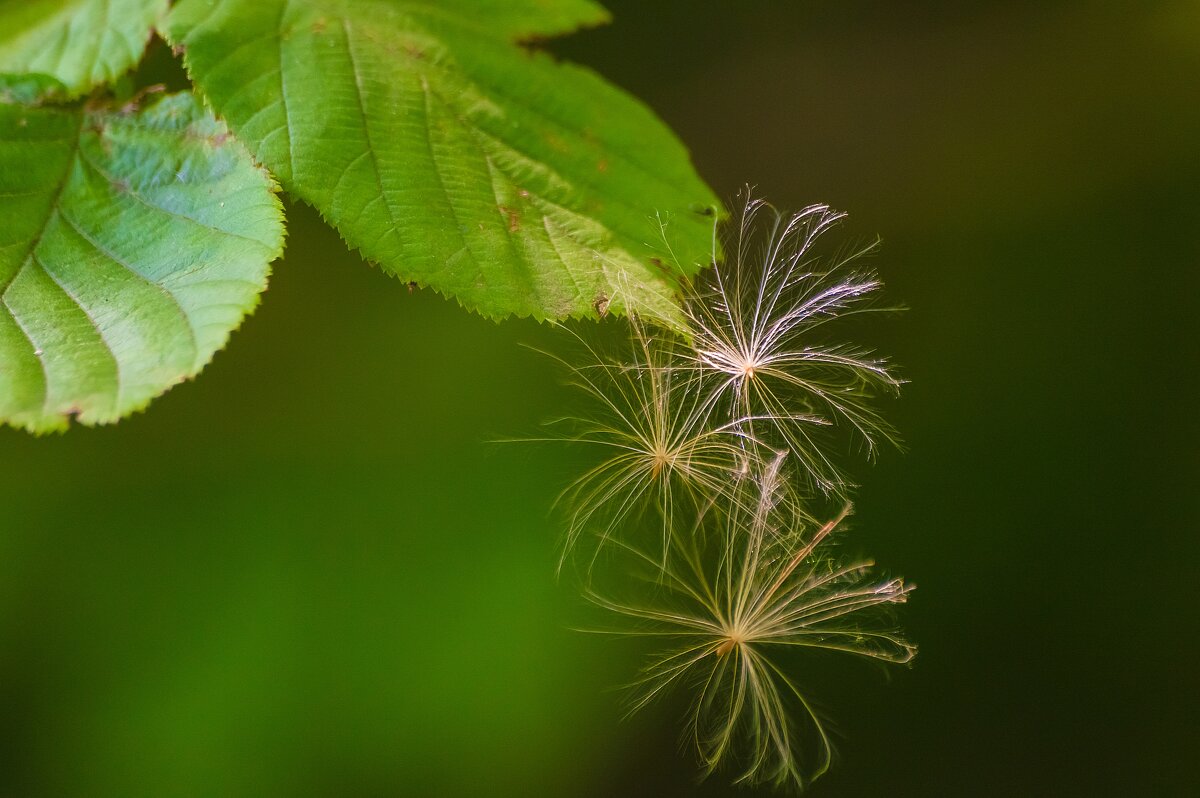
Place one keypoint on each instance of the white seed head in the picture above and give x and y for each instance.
(760, 351)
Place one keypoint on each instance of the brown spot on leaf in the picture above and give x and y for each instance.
(97, 129)
(602, 165)
(600, 304)
(514, 218)
(135, 101)
(319, 25)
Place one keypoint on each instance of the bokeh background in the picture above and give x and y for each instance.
(310, 573)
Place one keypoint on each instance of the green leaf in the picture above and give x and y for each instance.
(132, 245)
(453, 157)
(511, 19)
(82, 43)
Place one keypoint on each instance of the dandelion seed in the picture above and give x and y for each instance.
(756, 321)
(695, 489)
(661, 451)
(728, 617)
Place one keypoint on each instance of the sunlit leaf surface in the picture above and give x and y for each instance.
(81, 43)
(452, 156)
(133, 243)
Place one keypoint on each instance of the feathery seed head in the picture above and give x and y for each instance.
(713, 444)
(661, 450)
(734, 598)
(759, 351)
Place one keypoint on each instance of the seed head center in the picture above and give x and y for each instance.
(749, 366)
(734, 638)
(660, 460)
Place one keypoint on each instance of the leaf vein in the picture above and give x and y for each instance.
(62, 185)
(362, 112)
(147, 203)
(37, 352)
(119, 387)
(437, 171)
(102, 250)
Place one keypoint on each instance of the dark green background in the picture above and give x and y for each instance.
(308, 573)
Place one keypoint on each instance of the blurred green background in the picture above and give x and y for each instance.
(309, 573)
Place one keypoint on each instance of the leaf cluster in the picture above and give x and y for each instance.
(432, 136)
